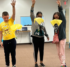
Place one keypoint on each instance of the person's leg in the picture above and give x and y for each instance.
(41, 49)
(35, 44)
(13, 51)
(6, 51)
(58, 50)
(62, 51)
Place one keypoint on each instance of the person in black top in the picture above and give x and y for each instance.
(61, 34)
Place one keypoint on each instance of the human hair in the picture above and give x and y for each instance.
(38, 13)
(58, 15)
(5, 13)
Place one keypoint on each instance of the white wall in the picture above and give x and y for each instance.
(69, 24)
(48, 7)
(67, 4)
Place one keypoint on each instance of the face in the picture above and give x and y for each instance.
(39, 15)
(56, 16)
(6, 18)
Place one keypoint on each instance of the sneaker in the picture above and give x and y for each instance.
(36, 65)
(42, 65)
(7, 66)
(14, 66)
(64, 66)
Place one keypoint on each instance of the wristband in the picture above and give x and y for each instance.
(46, 35)
(2, 40)
(32, 11)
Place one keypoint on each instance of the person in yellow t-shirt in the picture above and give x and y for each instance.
(9, 42)
(8, 33)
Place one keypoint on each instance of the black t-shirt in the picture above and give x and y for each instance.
(62, 27)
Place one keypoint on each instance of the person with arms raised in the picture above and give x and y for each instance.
(38, 40)
(9, 42)
(61, 34)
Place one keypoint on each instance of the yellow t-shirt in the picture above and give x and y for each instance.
(7, 32)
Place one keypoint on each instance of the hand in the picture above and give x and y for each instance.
(48, 38)
(13, 3)
(58, 2)
(33, 2)
(1, 44)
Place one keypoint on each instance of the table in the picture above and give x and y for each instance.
(28, 31)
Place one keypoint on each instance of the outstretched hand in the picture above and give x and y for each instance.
(13, 3)
(59, 2)
(33, 1)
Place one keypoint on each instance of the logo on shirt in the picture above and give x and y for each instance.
(6, 30)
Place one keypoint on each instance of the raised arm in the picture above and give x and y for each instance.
(61, 11)
(32, 11)
(13, 6)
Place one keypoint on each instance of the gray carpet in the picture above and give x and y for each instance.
(24, 56)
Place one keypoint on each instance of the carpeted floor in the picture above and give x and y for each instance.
(24, 56)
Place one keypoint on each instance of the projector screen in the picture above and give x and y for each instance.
(26, 21)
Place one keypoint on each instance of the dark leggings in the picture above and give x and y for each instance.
(38, 44)
(10, 47)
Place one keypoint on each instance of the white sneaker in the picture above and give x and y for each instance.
(14, 66)
(7, 66)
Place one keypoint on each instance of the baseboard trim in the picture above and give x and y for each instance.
(24, 43)
(30, 43)
(49, 42)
